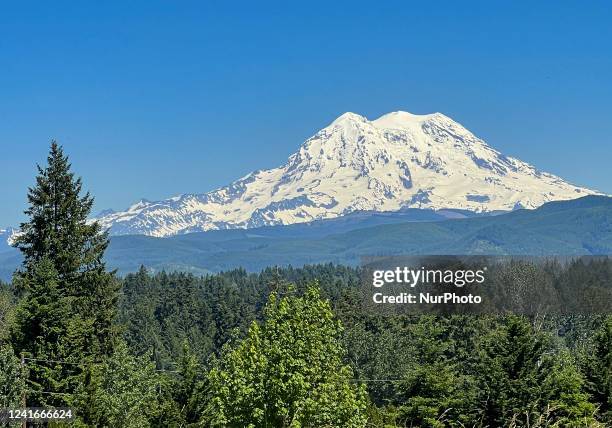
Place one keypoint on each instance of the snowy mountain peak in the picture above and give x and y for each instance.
(400, 160)
(347, 118)
(7, 237)
(399, 119)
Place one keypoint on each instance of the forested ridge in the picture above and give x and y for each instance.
(175, 329)
(283, 347)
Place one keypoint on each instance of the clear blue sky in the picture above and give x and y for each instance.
(155, 98)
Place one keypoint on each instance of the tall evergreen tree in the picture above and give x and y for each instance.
(12, 378)
(69, 298)
(121, 392)
(7, 309)
(525, 377)
(597, 365)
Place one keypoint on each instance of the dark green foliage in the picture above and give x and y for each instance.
(436, 390)
(121, 392)
(437, 370)
(596, 361)
(12, 378)
(41, 331)
(524, 376)
(57, 226)
(7, 309)
(69, 300)
(160, 313)
(434, 371)
(188, 393)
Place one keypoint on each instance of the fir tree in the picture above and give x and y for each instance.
(57, 227)
(121, 392)
(69, 299)
(7, 309)
(526, 377)
(12, 378)
(597, 365)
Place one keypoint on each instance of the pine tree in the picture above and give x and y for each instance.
(69, 299)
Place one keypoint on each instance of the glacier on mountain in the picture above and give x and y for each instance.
(400, 160)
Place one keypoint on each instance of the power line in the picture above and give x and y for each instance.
(52, 361)
(177, 371)
(49, 392)
(81, 364)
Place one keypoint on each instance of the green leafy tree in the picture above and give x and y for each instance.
(69, 299)
(288, 372)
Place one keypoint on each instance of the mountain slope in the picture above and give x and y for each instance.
(398, 161)
(582, 226)
(6, 236)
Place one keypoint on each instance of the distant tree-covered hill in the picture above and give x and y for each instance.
(580, 226)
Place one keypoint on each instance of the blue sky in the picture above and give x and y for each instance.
(151, 99)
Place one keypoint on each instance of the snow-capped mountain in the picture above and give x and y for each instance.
(6, 238)
(400, 160)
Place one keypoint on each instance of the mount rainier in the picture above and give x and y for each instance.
(400, 160)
